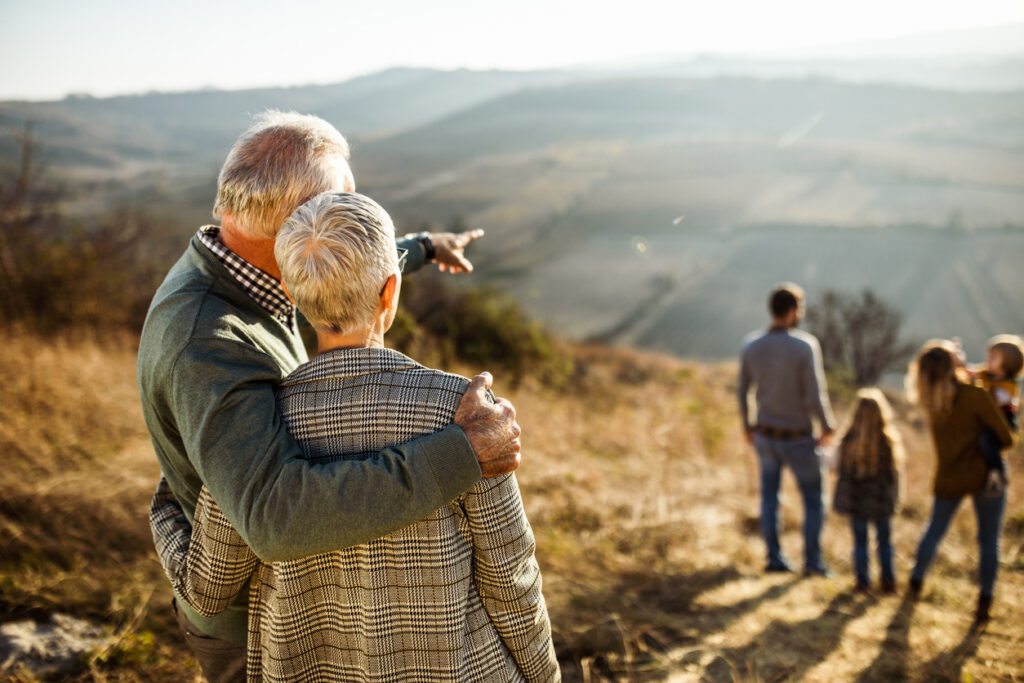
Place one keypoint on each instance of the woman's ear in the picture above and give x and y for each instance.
(389, 295)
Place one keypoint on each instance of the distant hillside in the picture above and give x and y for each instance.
(697, 294)
(657, 212)
(993, 73)
(640, 110)
(195, 128)
(645, 210)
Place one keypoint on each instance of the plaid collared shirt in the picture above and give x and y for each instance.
(261, 286)
(455, 596)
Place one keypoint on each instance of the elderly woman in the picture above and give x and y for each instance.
(957, 414)
(455, 596)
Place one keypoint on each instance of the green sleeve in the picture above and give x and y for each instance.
(417, 257)
(284, 506)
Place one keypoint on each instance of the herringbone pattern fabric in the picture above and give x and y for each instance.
(456, 596)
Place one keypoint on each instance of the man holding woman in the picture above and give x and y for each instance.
(455, 596)
(221, 334)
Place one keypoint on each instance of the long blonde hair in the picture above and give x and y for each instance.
(932, 377)
(871, 425)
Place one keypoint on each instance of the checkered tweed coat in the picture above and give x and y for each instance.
(453, 597)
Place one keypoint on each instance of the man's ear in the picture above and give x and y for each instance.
(287, 293)
(389, 296)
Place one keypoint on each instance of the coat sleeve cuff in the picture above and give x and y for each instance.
(417, 257)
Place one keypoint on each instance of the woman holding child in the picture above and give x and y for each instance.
(958, 413)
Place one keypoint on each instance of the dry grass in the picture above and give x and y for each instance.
(642, 495)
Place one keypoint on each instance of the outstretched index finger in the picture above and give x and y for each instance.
(464, 238)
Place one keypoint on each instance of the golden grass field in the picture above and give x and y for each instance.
(640, 489)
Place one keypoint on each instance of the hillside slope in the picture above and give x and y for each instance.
(646, 211)
(192, 130)
(641, 493)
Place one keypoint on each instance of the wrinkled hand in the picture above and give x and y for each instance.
(449, 247)
(491, 428)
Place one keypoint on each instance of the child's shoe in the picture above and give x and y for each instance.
(888, 586)
(995, 484)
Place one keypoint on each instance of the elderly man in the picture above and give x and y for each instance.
(455, 596)
(221, 334)
(784, 365)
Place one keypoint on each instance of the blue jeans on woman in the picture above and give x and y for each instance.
(883, 534)
(801, 456)
(989, 513)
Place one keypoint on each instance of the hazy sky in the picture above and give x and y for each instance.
(49, 48)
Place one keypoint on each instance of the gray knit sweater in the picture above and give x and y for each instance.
(784, 368)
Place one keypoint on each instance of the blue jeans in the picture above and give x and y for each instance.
(801, 455)
(989, 513)
(883, 529)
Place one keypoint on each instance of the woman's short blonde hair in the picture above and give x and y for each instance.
(282, 160)
(335, 253)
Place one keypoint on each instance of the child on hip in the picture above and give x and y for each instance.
(1000, 376)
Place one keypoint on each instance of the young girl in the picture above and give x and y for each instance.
(870, 456)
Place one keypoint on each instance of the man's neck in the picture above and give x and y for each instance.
(785, 322)
(256, 250)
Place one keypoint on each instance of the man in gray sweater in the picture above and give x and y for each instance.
(783, 365)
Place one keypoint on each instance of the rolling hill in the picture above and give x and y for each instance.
(636, 207)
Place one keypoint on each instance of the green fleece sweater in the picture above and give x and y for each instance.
(209, 359)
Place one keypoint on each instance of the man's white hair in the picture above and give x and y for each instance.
(335, 253)
(282, 160)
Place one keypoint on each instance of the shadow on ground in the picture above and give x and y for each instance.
(655, 625)
(787, 651)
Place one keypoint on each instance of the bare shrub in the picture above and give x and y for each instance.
(858, 334)
(479, 327)
(57, 273)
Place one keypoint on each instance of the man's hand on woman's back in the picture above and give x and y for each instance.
(491, 428)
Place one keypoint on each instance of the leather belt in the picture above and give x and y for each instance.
(781, 434)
